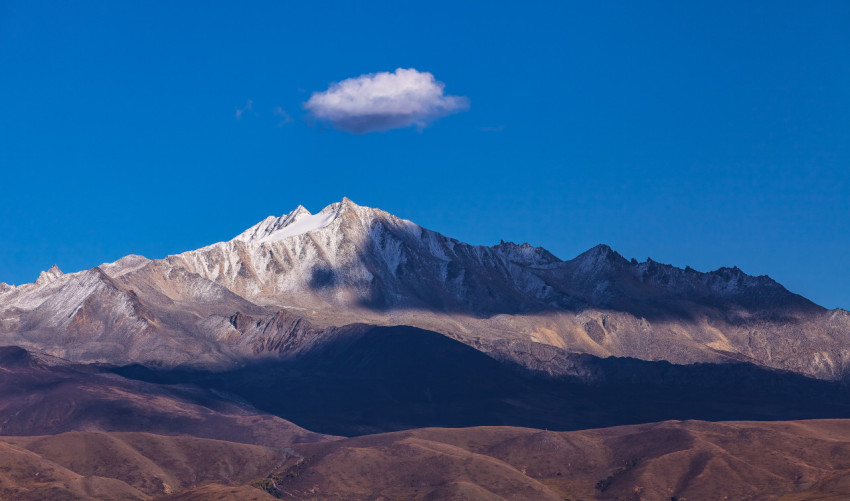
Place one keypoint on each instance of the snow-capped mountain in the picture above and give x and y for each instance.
(348, 256)
(287, 282)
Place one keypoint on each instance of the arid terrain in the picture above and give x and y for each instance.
(98, 465)
(682, 460)
(690, 460)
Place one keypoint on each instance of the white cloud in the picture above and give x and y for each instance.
(383, 101)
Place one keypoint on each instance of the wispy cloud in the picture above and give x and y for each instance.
(249, 107)
(383, 101)
(284, 116)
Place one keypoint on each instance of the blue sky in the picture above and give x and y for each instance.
(696, 133)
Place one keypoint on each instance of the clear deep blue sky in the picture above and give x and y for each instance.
(697, 133)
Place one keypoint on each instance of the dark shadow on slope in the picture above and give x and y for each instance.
(323, 278)
(392, 378)
(490, 301)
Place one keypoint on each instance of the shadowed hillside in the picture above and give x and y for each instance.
(393, 378)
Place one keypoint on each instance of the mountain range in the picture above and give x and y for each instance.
(289, 282)
(312, 349)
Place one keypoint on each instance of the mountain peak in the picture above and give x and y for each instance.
(297, 222)
(526, 254)
(45, 277)
(600, 256)
(339, 207)
(602, 249)
(300, 210)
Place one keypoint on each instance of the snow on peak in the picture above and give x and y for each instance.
(297, 222)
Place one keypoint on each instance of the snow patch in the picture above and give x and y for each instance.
(303, 225)
(297, 222)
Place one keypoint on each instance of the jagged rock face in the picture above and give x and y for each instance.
(244, 298)
(607, 279)
(49, 276)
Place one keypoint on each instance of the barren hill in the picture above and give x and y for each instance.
(690, 460)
